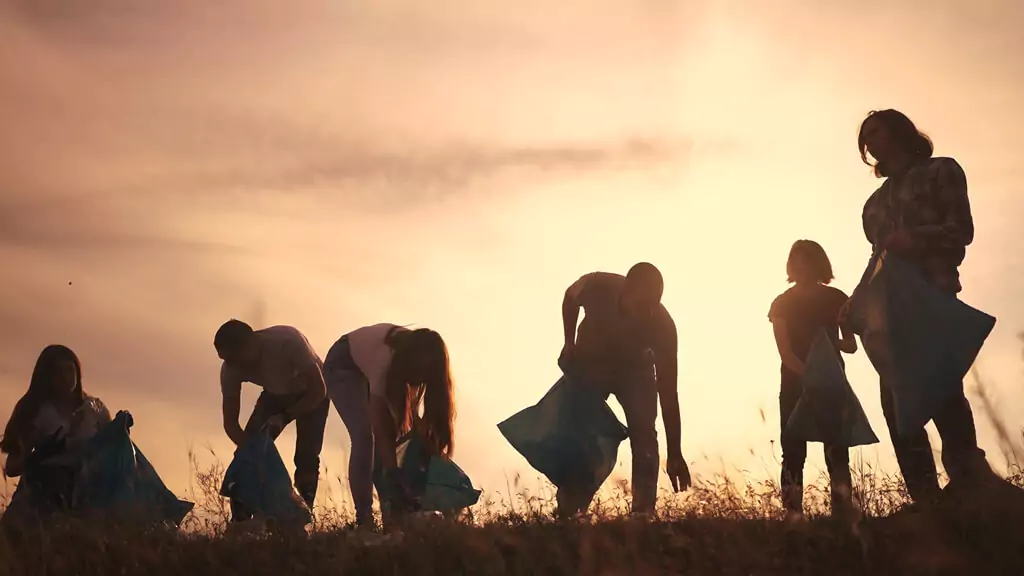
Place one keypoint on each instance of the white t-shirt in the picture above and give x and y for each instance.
(76, 430)
(372, 355)
(285, 355)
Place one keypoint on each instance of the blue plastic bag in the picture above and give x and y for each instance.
(439, 483)
(828, 410)
(116, 477)
(919, 339)
(571, 436)
(258, 480)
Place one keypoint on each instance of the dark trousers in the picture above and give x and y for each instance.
(309, 440)
(637, 393)
(963, 459)
(794, 455)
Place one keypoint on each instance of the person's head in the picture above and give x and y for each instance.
(56, 378)
(808, 264)
(236, 343)
(891, 138)
(420, 364)
(641, 294)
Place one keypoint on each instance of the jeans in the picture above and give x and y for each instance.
(349, 391)
(963, 459)
(794, 455)
(309, 441)
(637, 393)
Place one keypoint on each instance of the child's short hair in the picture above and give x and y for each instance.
(809, 263)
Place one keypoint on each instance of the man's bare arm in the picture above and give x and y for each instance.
(231, 407)
(311, 374)
(666, 358)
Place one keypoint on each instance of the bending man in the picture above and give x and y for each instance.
(626, 345)
(280, 360)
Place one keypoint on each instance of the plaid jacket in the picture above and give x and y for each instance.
(930, 202)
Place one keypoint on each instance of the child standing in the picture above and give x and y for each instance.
(798, 315)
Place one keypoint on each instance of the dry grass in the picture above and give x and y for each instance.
(718, 527)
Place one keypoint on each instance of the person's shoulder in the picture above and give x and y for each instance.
(834, 297)
(593, 280)
(282, 331)
(836, 293)
(946, 168)
(779, 304)
(945, 162)
(664, 316)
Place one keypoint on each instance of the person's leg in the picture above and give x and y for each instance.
(837, 462)
(309, 441)
(794, 451)
(964, 461)
(349, 392)
(913, 453)
(638, 396)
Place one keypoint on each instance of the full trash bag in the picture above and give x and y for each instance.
(115, 476)
(828, 410)
(571, 436)
(258, 480)
(921, 341)
(435, 483)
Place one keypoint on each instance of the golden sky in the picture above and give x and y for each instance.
(456, 165)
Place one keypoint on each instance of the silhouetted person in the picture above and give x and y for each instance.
(798, 315)
(626, 345)
(280, 360)
(49, 427)
(921, 214)
(377, 377)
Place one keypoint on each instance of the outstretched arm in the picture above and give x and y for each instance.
(666, 362)
(385, 434)
(231, 391)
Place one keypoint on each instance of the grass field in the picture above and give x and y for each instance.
(718, 527)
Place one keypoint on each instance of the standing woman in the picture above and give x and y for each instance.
(921, 214)
(48, 426)
(376, 378)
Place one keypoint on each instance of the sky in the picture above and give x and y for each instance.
(167, 166)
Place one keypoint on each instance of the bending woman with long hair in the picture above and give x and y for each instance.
(377, 378)
(53, 419)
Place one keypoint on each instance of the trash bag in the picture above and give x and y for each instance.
(116, 477)
(920, 340)
(258, 480)
(571, 436)
(438, 484)
(828, 410)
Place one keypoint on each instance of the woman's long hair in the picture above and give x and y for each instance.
(420, 368)
(903, 133)
(40, 391)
